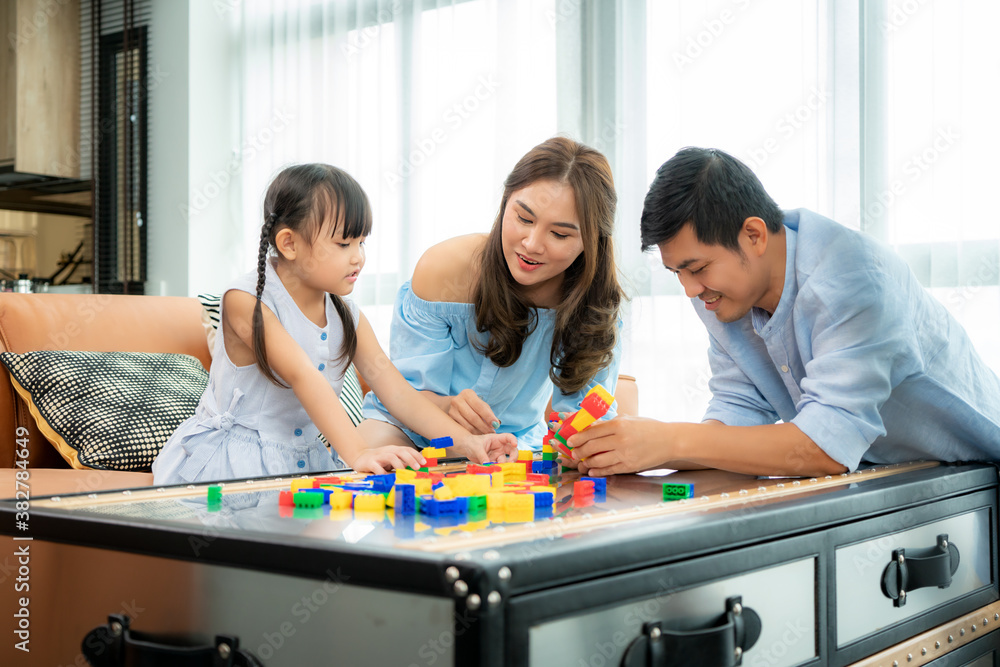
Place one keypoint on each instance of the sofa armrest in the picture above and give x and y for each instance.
(86, 322)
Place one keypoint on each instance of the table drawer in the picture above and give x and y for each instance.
(864, 611)
(778, 581)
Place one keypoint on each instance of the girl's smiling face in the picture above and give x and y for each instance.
(541, 238)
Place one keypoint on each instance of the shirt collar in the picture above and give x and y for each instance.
(762, 323)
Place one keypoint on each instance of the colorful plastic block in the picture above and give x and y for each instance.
(441, 443)
(341, 500)
(600, 483)
(677, 491)
(477, 504)
(525, 455)
(369, 502)
(285, 499)
(308, 499)
(405, 499)
(215, 492)
(544, 498)
(381, 483)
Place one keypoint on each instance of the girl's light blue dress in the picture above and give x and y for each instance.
(430, 345)
(245, 426)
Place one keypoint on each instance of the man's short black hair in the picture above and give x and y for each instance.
(710, 189)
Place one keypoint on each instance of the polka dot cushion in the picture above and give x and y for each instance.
(107, 410)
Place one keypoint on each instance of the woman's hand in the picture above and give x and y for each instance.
(380, 460)
(472, 413)
(488, 447)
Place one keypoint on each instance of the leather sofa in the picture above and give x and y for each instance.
(91, 322)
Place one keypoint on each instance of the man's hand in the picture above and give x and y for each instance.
(623, 444)
(488, 447)
(472, 413)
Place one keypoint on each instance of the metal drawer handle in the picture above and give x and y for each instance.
(115, 645)
(919, 568)
(722, 644)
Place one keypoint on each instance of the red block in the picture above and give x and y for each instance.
(537, 478)
(595, 405)
(285, 499)
(583, 488)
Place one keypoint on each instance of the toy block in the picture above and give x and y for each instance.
(405, 499)
(285, 499)
(369, 502)
(525, 455)
(405, 475)
(545, 467)
(299, 484)
(444, 493)
(583, 488)
(495, 500)
(481, 469)
(550, 456)
(429, 463)
(677, 491)
(433, 507)
(583, 501)
(518, 501)
(536, 478)
(564, 449)
(390, 498)
(358, 486)
(423, 487)
(215, 492)
(441, 443)
(544, 498)
(320, 481)
(381, 483)
(600, 483)
(341, 500)
(497, 478)
(323, 492)
(307, 499)
(599, 393)
(477, 503)
(513, 471)
(553, 417)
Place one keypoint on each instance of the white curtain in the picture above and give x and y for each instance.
(430, 103)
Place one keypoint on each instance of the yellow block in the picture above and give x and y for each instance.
(444, 493)
(405, 475)
(549, 449)
(422, 487)
(496, 479)
(299, 484)
(369, 502)
(390, 498)
(495, 501)
(519, 501)
(525, 455)
(603, 393)
(341, 499)
(582, 420)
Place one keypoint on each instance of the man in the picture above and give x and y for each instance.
(809, 323)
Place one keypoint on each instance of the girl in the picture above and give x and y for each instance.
(287, 336)
(490, 322)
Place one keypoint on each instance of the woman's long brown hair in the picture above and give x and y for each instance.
(587, 315)
(301, 198)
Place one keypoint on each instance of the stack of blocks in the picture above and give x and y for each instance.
(595, 405)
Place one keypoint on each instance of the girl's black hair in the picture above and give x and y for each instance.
(301, 198)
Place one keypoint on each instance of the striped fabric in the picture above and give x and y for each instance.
(350, 395)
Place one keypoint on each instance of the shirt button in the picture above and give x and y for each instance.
(322, 336)
(322, 367)
(298, 432)
(784, 368)
(301, 464)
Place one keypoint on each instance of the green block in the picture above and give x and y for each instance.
(307, 499)
(546, 456)
(677, 491)
(477, 503)
(215, 492)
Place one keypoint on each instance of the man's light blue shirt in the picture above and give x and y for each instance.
(857, 355)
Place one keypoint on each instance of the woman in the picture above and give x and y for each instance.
(490, 322)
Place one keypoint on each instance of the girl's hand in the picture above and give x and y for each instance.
(488, 447)
(472, 413)
(380, 460)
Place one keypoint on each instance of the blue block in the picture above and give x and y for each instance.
(439, 485)
(600, 483)
(442, 442)
(381, 483)
(434, 507)
(543, 499)
(358, 486)
(543, 467)
(406, 499)
(544, 512)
